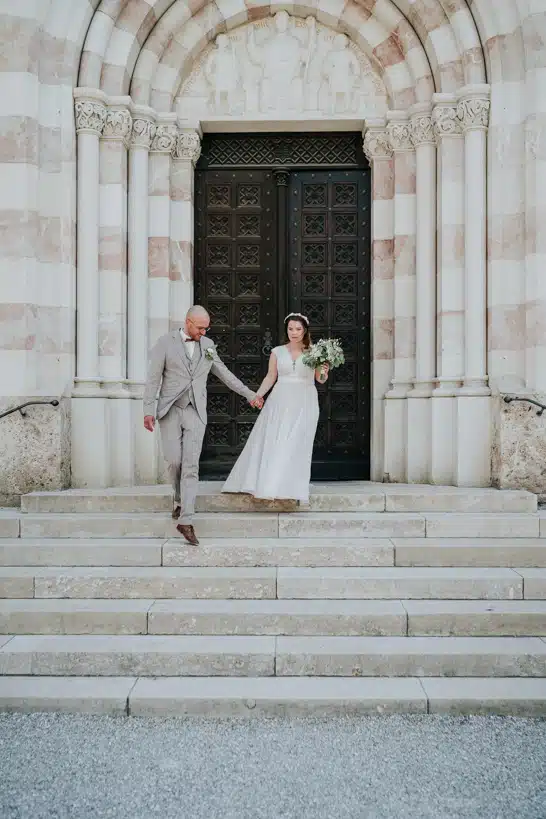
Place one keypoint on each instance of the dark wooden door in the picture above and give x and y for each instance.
(236, 279)
(274, 237)
(329, 257)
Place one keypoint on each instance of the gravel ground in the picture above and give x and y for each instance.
(373, 768)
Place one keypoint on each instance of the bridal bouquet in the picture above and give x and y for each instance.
(324, 351)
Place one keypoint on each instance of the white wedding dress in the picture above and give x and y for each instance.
(276, 459)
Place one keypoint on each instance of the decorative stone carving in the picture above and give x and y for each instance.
(422, 130)
(188, 146)
(117, 124)
(90, 116)
(377, 145)
(283, 65)
(143, 132)
(533, 138)
(446, 122)
(400, 136)
(164, 139)
(473, 112)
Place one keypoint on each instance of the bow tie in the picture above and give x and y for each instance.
(187, 340)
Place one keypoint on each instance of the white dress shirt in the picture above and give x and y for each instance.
(190, 345)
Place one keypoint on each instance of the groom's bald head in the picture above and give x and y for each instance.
(197, 322)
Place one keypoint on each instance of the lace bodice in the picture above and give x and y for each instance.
(290, 371)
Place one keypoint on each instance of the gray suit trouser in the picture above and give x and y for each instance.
(182, 433)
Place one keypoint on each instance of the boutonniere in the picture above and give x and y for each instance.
(210, 353)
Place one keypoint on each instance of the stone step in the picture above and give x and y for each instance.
(355, 496)
(9, 523)
(138, 582)
(242, 656)
(267, 583)
(408, 656)
(442, 618)
(477, 552)
(274, 697)
(81, 552)
(399, 583)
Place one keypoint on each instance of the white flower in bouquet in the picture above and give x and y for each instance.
(324, 351)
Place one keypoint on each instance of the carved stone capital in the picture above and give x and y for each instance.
(473, 113)
(422, 130)
(117, 124)
(188, 146)
(400, 136)
(446, 121)
(90, 116)
(143, 132)
(164, 139)
(377, 144)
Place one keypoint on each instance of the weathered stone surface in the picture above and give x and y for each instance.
(282, 697)
(482, 525)
(66, 694)
(494, 552)
(399, 583)
(150, 583)
(519, 446)
(534, 583)
(411, 656)
(338, 524)
(280, 552)
(273, 617)
(451, 499)
(9, 523)
(80, 552)
(15, 582)
(74, 617)
(476, 618)
(506, 697)
(92, 655)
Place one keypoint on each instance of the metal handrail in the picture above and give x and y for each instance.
(508, 399)
(21, 407)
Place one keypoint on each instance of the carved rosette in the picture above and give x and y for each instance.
(446, 122)
(473, 113)
(377, 145)
(90, 116)
(188, 146)
(164, 139)
(117, 124)
(400, 136)
(422, 130)
(143, 133)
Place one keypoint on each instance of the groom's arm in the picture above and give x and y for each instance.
(155, 374)
(231, 381)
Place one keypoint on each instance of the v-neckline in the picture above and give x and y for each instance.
(292, 359)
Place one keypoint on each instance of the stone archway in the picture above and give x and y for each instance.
(417, 141)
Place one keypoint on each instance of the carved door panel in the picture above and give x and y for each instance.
(329, 256)
(236, 279)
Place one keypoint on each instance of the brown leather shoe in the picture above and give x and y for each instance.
(188, 534)
(176, 512)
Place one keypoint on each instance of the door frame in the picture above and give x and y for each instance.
(284, 153)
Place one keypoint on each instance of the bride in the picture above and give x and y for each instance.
(276, 460)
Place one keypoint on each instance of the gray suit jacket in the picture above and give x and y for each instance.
(171, 372)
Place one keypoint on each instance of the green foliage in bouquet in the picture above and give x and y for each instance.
(324, 351)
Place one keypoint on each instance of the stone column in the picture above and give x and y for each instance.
(149, 462)
(399, 132)
(90, 118)
(379, 154)
(185, 155)
(419, 405)
(90, 461)
(137, 336)
(451, 272)
(474, 410)
(113, 244)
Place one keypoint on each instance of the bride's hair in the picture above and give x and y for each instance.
(304, 321)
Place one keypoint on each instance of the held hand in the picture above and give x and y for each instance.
(257, 403)
(149, 423)
(323, 371)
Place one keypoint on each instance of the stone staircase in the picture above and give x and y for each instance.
(374, 599)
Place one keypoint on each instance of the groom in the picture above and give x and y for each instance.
(180, 363)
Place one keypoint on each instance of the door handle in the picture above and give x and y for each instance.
(268, 343)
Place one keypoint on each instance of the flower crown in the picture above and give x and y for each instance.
(297, 316)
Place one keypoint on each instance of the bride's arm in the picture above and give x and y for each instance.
(270, 378)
